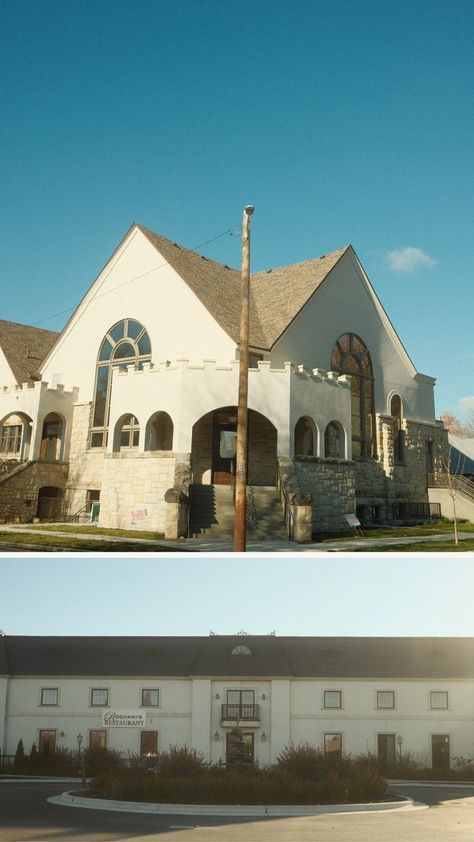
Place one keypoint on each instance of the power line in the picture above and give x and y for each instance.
(230, 231)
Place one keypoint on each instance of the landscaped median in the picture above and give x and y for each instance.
(303, 781)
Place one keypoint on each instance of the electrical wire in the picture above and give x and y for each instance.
(230, 231)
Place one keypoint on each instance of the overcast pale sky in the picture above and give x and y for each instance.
(348, 121)
(297, 595)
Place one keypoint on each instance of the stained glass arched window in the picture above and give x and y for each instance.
(126, 343)
(350, 356)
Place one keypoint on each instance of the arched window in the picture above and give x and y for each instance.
(126, 343)
(128, 433)
(159, 432)
(241, 650)
(398, 433)
(305, 438)
(334, 441)
(350, 356)
(10, 442)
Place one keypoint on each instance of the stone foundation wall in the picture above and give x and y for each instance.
(85, 466)
(332, 484)
(383, 481)
(19, 492)
(133, 489)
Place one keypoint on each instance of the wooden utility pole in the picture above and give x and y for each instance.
(242, 417)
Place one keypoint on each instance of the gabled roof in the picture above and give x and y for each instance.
(462, 455)
(271, 657)
(276, 296)
(25, 348)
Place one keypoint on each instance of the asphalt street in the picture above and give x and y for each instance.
(26, 816)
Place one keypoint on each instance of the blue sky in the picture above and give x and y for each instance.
(342, 122)
(294, 596)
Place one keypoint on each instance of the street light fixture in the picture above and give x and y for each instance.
(82, 759)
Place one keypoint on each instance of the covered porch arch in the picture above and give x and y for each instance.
(213, 448)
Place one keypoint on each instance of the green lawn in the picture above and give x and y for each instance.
(36, 541)
(427, 547)
(438, 528)
(98, 530)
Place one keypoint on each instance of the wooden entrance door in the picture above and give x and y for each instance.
(224, 432)
(440, 751)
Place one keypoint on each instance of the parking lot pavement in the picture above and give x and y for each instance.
(26, 816)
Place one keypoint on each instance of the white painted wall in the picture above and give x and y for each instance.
(36, 402)
(291, 710)
(7, 377)
(345, 303)
(136, 283)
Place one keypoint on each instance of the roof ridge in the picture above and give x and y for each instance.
(340, 251)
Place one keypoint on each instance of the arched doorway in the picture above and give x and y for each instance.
(51, 438)
(213, 448)
(50, 503)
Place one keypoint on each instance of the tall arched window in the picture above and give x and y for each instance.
(398, 432)
(126, 343)
(350, 356)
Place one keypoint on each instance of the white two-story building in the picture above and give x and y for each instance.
(241, 698)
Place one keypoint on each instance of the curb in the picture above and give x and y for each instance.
(68, 799)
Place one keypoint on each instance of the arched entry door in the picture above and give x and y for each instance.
(224, 440)
(50, 449)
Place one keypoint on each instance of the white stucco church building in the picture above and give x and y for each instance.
(131, 409)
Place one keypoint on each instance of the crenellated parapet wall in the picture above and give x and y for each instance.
(32, 403)
(189, 391)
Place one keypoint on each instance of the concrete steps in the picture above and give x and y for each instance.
(212, 512)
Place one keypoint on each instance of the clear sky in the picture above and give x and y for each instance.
(293, 596)
(342, 121)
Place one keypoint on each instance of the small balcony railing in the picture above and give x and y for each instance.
(237, 713)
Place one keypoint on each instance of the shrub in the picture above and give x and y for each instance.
(307, 761)
(180, 761)
(97, 760)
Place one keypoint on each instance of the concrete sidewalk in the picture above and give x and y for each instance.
(224, 545)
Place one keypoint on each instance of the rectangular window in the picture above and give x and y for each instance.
(97, 739)
(254, 359)
(47, 742)
(49, 696)
(92, 496)
(438, 700)
(99, 697)
(386, 699)
(332, 699)
(11, 439)
(148, 743)
(150, 698)
(333, 744)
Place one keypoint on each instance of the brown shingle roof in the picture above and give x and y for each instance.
(25, 347)
(276, 296)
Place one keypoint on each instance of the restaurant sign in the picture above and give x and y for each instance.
(123, 719)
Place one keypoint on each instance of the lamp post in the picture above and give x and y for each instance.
(400, 743)
(82, 761)
(242, 417)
